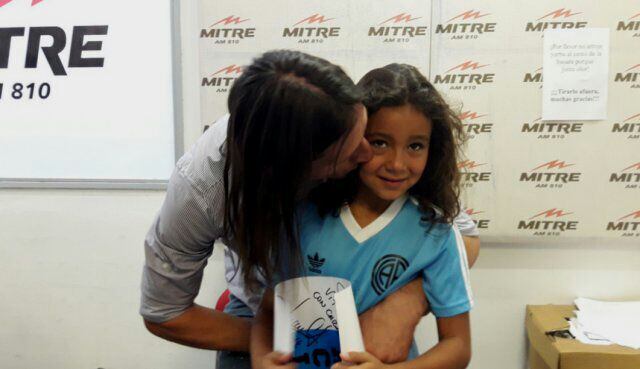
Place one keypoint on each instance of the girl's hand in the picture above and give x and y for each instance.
(359, 360)
(277, 360)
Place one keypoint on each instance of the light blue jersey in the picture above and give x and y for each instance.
(387, 254)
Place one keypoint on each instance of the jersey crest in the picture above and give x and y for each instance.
(386, 271)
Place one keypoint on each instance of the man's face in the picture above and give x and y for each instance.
(344, 155)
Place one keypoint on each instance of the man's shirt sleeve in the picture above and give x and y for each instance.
(466, 225)
(177, 247)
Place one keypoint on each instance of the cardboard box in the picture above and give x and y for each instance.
(547, 351)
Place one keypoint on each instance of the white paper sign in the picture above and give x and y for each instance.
(315, 318)
(575, 74)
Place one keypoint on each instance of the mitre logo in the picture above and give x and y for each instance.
(480, 221)
(52, 41)
(533, 77)
(474, 125)
(229, 30)
(629, 224)
(557, 19)
(312, 30)
(223, 78)
(465, 76)
(631, 25)
(551, 130)
(551, 222)
(472, 173)
(629, 176)
(551, 175)
(466, 25)
(630, 127)
(630, 76)
(5, 2)
(398, 29)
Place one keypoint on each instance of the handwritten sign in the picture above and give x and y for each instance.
(307, 311)
(575, 69)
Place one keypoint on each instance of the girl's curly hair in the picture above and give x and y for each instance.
(438, 190)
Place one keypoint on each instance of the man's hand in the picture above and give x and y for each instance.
(388, 327)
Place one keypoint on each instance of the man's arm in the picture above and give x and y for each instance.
(205, 328)
(453, 350)
(472, 245)
(177, 247)
(470, 235)
(387, 328)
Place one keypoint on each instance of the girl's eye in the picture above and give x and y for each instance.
(416, 146)
(378, 143)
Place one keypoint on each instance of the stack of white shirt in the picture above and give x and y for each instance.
(606, 323)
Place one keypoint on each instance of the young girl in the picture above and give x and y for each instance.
(391, 221)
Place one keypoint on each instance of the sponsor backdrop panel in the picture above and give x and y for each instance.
(625, 26)
(227, 26)
(531, 19)
(478, 26)
(622, 222)
(461, 73)
(351, 34)
(371, 60)
(547, 220)
(218, 72)
(391, 26)
(535, 164)
(312, 26)
(95, 103)
(523, 178)
(623, 128)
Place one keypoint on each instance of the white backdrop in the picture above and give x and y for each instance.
(112, 119)
(524, 179)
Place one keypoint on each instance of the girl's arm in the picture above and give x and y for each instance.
(261, 345)
(453, 350)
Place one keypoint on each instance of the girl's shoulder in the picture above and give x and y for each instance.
(307, 212)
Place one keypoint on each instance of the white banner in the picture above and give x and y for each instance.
(86, 90)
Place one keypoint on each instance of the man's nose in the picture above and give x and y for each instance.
(363, 153)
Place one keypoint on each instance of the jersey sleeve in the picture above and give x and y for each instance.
(177, 247)
(446, 278)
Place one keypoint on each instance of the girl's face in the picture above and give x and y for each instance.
(399, 137)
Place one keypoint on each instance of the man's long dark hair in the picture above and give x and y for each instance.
(285, 109)
(438, 190)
